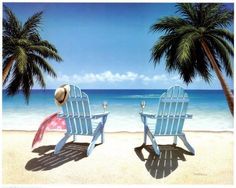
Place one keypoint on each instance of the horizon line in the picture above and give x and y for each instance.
(128, 89)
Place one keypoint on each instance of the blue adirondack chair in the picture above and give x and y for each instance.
(169, 119)
(79, 120)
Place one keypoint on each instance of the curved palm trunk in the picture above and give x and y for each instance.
(7, 69)
(228, 94)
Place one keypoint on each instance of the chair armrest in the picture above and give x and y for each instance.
(154, 116)
(148, 115)
(97, 116)
(189, 116)
(60, 114)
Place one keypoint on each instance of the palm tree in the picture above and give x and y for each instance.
(25, 54)
(197, 43)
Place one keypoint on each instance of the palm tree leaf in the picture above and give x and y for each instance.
(201, 63)
(45, 52)
(161, 46)
(6, 28)
(42, 63)
(21, 59)
(218, 16)
(229, 36)
(38, 75)
(47, 44)
(13, 24)
(182, 30)
(168, 24)
(223, 53)
(34, 37)
(228, 47)
(171, 60)
(187, 10)
(15, 82)
(27, 83)
(8, 47)
(214, 54)
(186, 45)
(187, 72)
(32, 24)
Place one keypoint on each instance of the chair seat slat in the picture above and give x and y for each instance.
(171, 100)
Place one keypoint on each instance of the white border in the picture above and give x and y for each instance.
(107, 185)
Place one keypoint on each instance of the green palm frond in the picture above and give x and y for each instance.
(43, 64)
(186, 71)
(27, 83)
(171, 60)
(21, 59)
(31, 26)
(45, 52)
(15, 82)
(223, 33)
(223, 54)
(218, 17)
(228, 47)
(201, 63)
(47, 44)
(12, 26)
(38, 75)
(186, 45)
(159, 49)
(34, 38)
(187, 11)
(168, 24)
(182, 30)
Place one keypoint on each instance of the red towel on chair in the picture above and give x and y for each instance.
(52, 122)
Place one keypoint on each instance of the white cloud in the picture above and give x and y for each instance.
(110, 77)
(106, 76)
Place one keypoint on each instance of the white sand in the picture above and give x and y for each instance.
(117, 161)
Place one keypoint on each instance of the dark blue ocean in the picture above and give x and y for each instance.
(208, 107)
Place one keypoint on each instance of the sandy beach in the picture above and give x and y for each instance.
(120, 160)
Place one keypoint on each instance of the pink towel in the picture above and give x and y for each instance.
(52, 122)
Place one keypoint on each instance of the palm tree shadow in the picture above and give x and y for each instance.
(48, 160)
(163, 165)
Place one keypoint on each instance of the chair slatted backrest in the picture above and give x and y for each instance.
(77, 112)
(171, 111)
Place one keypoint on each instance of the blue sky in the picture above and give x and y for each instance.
(106, 46)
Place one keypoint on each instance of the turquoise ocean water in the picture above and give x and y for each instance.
(209, 109)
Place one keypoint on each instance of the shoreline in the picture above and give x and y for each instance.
(119, 160)
(111, 132)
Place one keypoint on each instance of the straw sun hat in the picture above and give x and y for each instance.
(61, 94)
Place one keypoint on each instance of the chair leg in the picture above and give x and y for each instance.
(154, 144)
(186, 143)
(74, 138)
(102, 137)
(92, 144)
(175, 140)
(155, 147)
(61, 143)
(98, 132)
(145, 135)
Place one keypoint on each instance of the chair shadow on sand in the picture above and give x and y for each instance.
(48, 160)
(166, 163)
